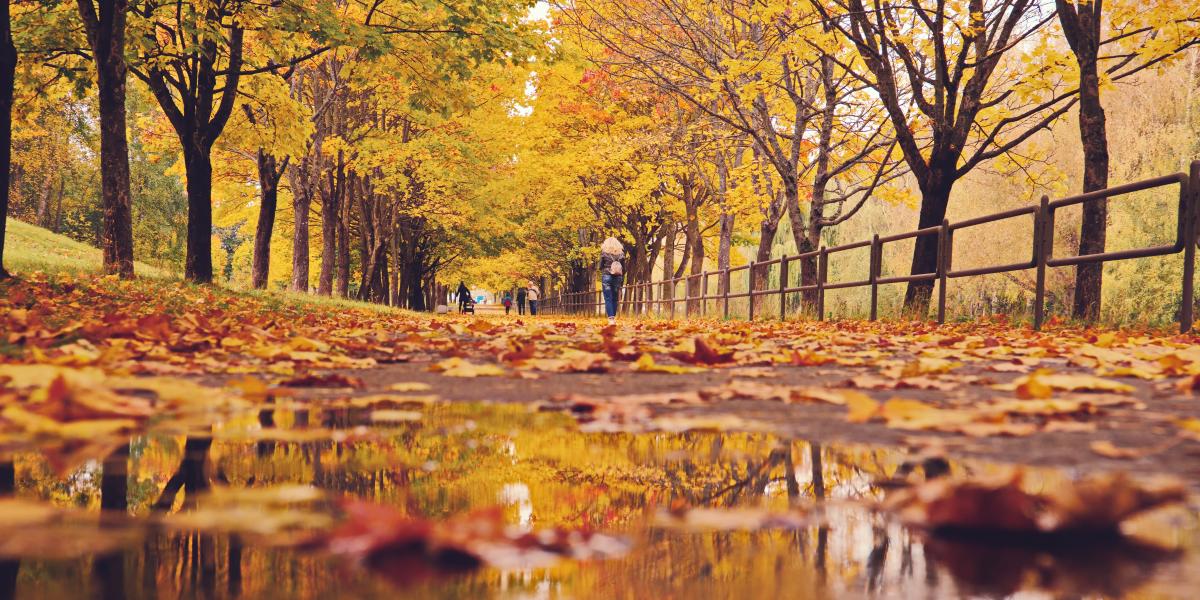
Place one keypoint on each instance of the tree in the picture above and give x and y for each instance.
(8, 72)
(105, 26)
(1143, 36)
(765, 74)
(191, 58)
(961, 103)
(1081, 27)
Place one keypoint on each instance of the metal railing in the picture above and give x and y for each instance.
(639, 298)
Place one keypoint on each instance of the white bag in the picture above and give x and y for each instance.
(615, 268)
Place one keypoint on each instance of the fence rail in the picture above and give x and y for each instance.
(641, 298)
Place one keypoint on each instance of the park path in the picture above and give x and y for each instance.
(1135, 428)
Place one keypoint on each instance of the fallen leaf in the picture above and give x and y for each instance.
(646, 364)
(324, 380)
(862, 408)
(1000, 503)
(458, 367)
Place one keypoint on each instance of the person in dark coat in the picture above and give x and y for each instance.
(464, 296)
(521, 300)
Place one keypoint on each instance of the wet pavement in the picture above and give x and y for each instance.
(445, 460)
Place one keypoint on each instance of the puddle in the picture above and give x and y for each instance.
(543, 473)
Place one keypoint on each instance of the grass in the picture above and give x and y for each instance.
(29, 248)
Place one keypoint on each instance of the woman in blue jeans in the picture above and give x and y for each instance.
(612, 275)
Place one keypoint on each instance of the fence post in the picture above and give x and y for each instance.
(725, 293)
(783, 281)
(822, 274)
(704, 294)
(1043, 222)
(1192, 207)
(945, 251)
(873, 275)
(750, 290)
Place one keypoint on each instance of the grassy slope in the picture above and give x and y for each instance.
(29, 248)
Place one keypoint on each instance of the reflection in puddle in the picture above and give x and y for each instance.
(543, 474)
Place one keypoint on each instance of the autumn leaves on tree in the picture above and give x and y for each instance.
(499, 140)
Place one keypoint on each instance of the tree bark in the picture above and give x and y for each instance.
(43, 207)
(766, 240)
(331, 200)
(343, 239)
(1081, 26)
(269, 174)
(198, 165)
(106, 34)
(724, 247)
(301, 203)
(8, 70)
(696, 242)
(668, 264)
(935, 197)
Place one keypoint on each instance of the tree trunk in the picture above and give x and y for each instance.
(42, 218)
(809, 268)
(724, 246)
(301, 202)
(397, 266)
(696, 241)
(8, 69)
(668, 264)
(330, 211)
(1081, 26)
(416, 296)
(114, 480)
(935, 197)
(343, 240)
(198, 165)
(106, 35)
(268, 183)
(766, 240)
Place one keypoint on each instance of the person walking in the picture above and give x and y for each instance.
(612, 275)
(533, 295)
(521, 300)
(464, 296)
(507, 302)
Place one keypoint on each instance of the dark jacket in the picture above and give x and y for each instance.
(520, 294)
(606, 261)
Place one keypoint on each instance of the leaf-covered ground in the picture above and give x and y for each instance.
(85, 362)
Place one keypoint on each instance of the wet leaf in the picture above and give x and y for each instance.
(1000, 503)
(408, 548)
(324, 380)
